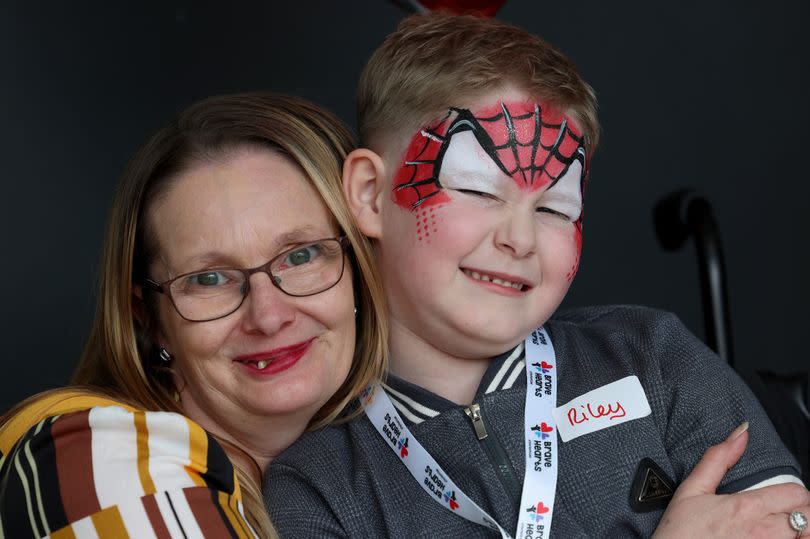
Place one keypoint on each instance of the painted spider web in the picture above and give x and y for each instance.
(534, 146)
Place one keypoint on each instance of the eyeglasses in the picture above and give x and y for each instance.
(304, 270)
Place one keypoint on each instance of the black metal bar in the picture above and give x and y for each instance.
(679, 216)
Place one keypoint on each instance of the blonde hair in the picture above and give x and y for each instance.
(120, 357)
(434, 60)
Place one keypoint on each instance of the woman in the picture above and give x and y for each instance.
(224, 297)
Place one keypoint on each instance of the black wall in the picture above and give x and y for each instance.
(708, 95)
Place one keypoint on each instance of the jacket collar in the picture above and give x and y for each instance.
(416, 404)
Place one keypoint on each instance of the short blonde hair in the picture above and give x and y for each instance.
(434, 60)
(120, 357)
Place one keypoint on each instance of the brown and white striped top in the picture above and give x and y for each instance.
(74, 465)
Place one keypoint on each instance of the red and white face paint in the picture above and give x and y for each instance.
(535, 146)
(482, 233)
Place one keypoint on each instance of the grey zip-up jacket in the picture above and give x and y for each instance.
(345, 481)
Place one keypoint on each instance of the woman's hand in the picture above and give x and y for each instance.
(696, 511)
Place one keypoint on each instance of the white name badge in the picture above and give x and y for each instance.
(613, 404)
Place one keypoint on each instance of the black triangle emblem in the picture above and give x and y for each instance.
(651, 489)
(654, 487)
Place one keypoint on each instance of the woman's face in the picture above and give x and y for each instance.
(276, 355)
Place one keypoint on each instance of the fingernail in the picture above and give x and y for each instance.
(736, 433)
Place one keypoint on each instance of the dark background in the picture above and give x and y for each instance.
(711, 95)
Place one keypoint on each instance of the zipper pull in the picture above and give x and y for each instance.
(474, 413)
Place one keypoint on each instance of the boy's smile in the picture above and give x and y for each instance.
(481, 231)
(505, 284)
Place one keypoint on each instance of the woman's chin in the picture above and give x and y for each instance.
(287, 400)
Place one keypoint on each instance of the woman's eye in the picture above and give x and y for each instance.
(208, 278)
(556, 213)
(304, 255)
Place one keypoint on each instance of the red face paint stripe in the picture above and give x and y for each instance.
(416, 182)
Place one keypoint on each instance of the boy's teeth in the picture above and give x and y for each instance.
(486, 278)
(261, 364)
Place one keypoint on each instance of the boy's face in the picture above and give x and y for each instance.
(481, 229)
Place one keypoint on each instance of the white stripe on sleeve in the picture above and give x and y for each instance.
(168, 514)
(185, 515)
(115, 455)
(168, 450)
(84, 528)
(776, 480)
(135, 519)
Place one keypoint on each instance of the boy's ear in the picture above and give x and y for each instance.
(364, 186)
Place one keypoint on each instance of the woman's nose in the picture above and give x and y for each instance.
(268, 308)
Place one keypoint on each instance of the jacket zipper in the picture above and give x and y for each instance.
(495, 453)
(473, 411)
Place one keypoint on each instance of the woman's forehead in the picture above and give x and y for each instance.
(242, 207)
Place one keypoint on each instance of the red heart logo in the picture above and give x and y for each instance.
(545, 428)
(546, 365)
(541, 508)
(454, 505)
(403, 452)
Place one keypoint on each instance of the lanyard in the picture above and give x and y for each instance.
(540, 443)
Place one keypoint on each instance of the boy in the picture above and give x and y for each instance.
(478, 138)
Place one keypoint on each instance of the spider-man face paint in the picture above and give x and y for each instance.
(532, 144)
(480, 238)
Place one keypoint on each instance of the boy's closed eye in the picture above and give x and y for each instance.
(476, 193)
(554, 212)
(562, 204)
(564, 198)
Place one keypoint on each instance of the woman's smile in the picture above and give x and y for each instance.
(270, 362)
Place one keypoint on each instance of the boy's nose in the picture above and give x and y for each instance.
(268, 308)
(517, 234)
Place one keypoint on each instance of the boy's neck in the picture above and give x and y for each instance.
(417, 361)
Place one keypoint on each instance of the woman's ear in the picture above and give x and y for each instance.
(138, 306)
(364, 185)
(140, 312)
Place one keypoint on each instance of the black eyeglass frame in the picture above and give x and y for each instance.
(165, 286)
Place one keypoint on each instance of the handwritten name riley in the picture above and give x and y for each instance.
(588, 412)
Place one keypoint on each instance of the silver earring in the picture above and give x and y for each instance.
(164, 355)
(355, 311)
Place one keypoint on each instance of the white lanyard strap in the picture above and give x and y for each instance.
(540, 440)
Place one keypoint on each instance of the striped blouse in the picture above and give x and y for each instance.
(73, 465)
